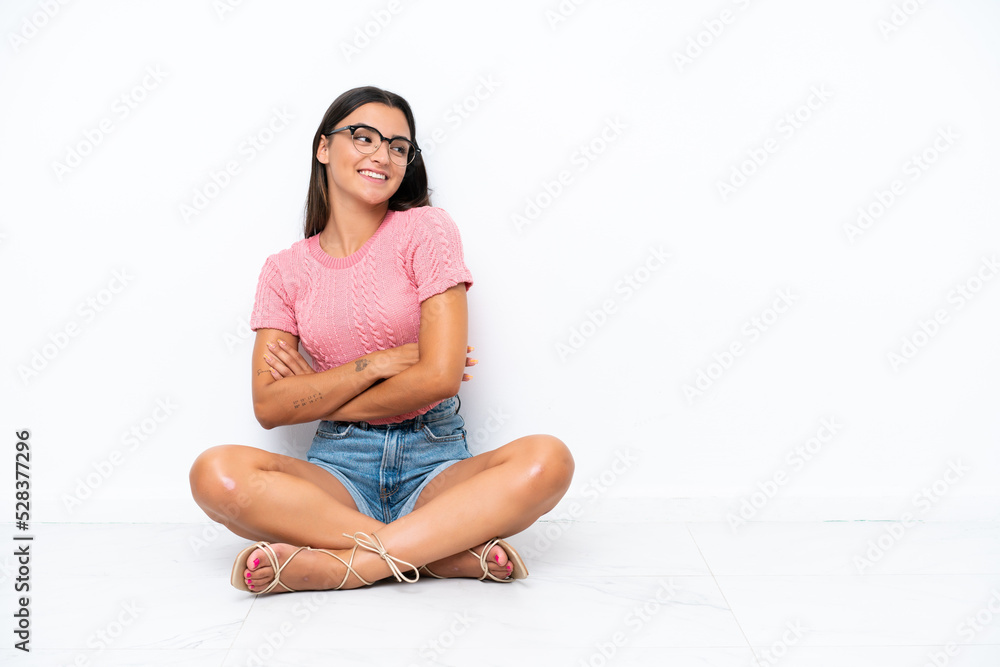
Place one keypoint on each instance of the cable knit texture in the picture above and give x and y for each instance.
(343, 308)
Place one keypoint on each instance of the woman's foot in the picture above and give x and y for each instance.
(309, 570)
(464, 564)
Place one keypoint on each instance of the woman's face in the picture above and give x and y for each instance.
(371, 179)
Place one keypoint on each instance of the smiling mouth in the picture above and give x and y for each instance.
(372, 174)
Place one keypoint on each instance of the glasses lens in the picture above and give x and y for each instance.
(365, 140)
(401, 151)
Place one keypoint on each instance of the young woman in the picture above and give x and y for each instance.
(376, 293)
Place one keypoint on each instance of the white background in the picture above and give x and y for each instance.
(505, 97)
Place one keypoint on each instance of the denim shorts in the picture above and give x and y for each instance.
(385, 466)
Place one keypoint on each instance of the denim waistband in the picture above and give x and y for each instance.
(439, 411)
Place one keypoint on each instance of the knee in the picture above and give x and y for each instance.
(213, 475)
(551, 465)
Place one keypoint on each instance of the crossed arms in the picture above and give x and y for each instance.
(384, 383)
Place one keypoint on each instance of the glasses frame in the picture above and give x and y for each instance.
(381, 139)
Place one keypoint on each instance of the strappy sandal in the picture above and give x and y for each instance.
(520, 570)
(238, 581)
(374, 544)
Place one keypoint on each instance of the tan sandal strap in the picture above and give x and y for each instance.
(273, 557)
(428, 571)
(484, 563)
(374, 544)
(348, 565)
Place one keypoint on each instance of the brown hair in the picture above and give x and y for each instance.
(413, 191)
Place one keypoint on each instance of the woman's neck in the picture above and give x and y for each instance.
(348, 228)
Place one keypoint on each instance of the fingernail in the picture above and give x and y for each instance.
(282, 343)
(471, 348)
(270, 346)
(474, 361)
(256, 562)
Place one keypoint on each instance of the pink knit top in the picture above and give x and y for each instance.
(342, 308)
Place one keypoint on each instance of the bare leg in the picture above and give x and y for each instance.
(498, 493)
(260, 495)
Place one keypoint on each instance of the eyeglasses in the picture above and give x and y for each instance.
(367, 140)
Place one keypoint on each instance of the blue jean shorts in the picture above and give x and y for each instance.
(385, 466)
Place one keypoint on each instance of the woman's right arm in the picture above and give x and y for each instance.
(309, 396)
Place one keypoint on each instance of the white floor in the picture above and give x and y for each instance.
(790, 594)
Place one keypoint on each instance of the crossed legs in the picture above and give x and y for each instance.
(260, 495)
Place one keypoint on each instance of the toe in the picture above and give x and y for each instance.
(256, 557)
(499, 563)
(258, 570)
(497, 556)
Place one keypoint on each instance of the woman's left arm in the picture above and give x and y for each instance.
(437, 375)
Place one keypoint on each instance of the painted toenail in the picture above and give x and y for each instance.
(256, 562)
(497, 558)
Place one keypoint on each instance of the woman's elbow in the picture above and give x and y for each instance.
(264, 416)
(446, 385)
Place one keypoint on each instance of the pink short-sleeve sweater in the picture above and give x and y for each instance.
(342, 308)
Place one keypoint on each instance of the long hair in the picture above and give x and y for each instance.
(413, 191)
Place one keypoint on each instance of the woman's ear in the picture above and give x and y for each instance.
(323, 150)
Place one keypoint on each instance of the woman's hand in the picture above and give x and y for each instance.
(286, 362)
(469, 362)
